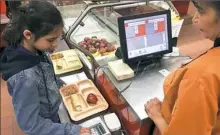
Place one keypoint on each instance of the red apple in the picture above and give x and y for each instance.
(108, 49)
(89, 41)
(84, 46)
(109, 44)
(97, 45)
(92, 99)
(102, 45)
(86, 39)
(102, 50)
(106, 42)
(82, 43)
(93, 42)
(92, 50)
(89, 46)
(103, 39)
(98, 41)
(113, 48)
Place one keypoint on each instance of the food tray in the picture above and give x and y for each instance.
(66, 61)
(75, 99)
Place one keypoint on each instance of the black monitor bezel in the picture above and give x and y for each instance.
(123, 42)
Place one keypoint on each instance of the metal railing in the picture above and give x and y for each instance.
(88, 9)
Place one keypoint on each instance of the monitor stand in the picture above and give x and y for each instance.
(144, 64)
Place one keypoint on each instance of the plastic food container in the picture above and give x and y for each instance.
(66, 61)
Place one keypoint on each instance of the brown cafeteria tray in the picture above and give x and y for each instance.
(74, 97)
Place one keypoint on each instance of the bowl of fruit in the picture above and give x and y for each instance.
(97, 47)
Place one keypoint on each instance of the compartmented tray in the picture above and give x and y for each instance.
(75, 99)
(66, 61)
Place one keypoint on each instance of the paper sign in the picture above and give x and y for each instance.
(164, 72)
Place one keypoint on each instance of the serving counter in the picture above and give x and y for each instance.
(128, 103)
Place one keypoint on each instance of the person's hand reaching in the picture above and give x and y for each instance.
(85, 131)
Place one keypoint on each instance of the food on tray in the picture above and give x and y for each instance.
(94, 45)
(92, 99)
(76, 103)
(57, 56)
(59, 64)
(69, 91)
(59, 67)
(85, 102)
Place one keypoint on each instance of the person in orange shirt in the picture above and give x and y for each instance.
(192, 92)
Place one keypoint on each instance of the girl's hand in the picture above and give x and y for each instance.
(84, 131)
(153, 109)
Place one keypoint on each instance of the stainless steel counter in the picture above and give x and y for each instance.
(147, 84)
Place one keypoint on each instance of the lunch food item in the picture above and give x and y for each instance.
(59, 64)
(94, 45)
(57, 56)
(59, 67)
(69, 91)
(92, 99)
(76, 102)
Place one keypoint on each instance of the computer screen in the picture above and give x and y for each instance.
(144, 35)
